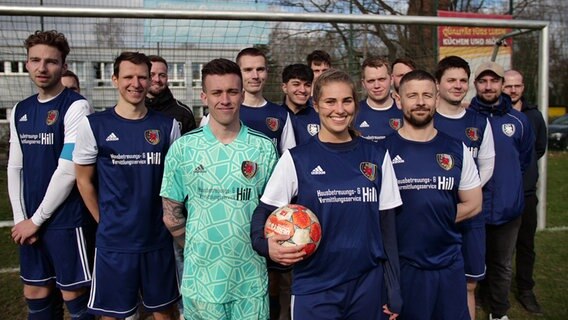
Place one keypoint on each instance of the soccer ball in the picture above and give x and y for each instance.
(297, 221)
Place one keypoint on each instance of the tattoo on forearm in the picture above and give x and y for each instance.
(173, 214)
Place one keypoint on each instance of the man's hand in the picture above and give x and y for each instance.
(24, 232)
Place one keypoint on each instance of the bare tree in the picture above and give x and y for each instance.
(525, 55)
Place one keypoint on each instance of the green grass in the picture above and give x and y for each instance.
(557, 189)
(8, 250)
(5, 209)
(550, 271)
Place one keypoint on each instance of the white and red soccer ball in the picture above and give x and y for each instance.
(297, 221)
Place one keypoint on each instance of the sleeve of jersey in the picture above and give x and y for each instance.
(175, 133)
(526, 146)
(469, 175)
(486, 156)
(390, 195)
(73, 117)
(14, 171)
(85, 151)
(259, 217)
(287, 141)
(283, 183)
(392, 265)
(63, 178)
(172, 184)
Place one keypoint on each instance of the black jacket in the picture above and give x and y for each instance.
(539, 128)
(167, 104)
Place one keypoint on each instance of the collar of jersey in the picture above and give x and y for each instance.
(211, 138)
(339, 147)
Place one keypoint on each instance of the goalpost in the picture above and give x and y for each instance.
(97, 35)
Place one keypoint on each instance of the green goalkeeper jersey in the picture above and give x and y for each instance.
(221, 185)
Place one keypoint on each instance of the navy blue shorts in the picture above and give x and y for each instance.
(120, 279)
(434, 294)
(473, 251)
(361, 298)
(59, 255)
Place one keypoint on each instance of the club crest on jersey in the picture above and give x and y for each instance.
(508, 129)
(52, 116)
(313, 129)
(152, 136)
(445, 161)
(249, 168)
(369, 170)
(472, 134)
(395, 123)
(273, 124)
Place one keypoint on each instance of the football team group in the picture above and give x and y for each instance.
(134, 211)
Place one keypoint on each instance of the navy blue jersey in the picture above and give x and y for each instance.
(376, 124)
(41, 134)
(345, 185)
(129, 157)
(273, 121)
(430, 174)
(306, 124)
(473, 129)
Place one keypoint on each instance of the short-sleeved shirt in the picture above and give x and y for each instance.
(376, 124)
(306, 123)
(473, 129)
(345, 185)
(220, 185)
(430, 175)
(129, 157)
(273, 121)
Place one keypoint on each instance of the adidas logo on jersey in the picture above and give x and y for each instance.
(200, 169)
(24, 118)
(318, 171)
(112, 137)
(397, 160)
(364, 124)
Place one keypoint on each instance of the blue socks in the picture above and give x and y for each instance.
(78, 308)
(40, 309)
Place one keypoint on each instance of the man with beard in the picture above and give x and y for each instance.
(473, 129)
(160, 98)
(378, 115)
(525, 255)
(503, 195)
(439, 186)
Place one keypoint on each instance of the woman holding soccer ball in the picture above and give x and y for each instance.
(349, 183)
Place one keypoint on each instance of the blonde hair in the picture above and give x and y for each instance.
(333, 76)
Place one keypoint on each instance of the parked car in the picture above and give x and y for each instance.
(558, 133)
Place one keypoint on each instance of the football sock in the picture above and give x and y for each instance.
(40, 309)
(78, 308)
(57, 304)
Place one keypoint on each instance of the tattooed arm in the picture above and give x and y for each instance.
(174, 219)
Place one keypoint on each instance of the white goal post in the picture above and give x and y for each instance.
(542, 27)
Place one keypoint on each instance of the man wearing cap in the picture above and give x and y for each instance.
(503, 195)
